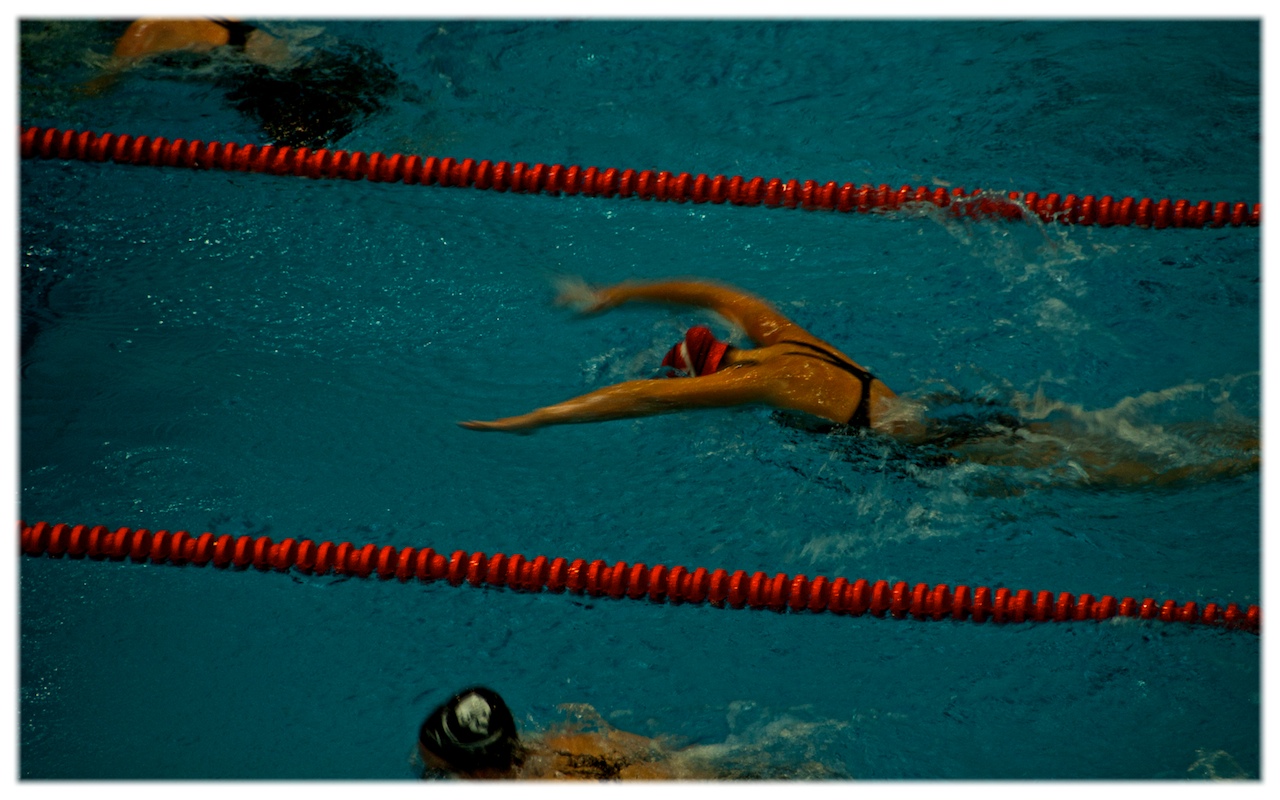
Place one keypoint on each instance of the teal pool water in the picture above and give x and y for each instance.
(251, 354)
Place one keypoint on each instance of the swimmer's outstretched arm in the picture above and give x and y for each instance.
(642, 398)
(760, 320)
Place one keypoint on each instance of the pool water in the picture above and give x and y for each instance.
(278, 356)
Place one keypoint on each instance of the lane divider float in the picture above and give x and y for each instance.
(598, 578)
(556, 179)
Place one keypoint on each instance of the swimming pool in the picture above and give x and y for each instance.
(243, 353)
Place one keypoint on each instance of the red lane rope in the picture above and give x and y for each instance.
(597, 578)
(680, 187)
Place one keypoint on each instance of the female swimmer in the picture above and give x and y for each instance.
(789, 368)
(793, 370)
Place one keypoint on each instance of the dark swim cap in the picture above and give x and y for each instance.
(699, 353)
(473, 730)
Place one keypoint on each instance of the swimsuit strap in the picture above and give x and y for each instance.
(237, 32)
(862, 414)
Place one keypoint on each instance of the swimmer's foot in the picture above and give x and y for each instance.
(1128, 473)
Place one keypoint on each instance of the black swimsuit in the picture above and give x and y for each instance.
(862, 414)
(237, 32)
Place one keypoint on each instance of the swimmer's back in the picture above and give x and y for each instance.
(608, 755)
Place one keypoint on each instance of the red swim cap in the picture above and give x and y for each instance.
(698, 354)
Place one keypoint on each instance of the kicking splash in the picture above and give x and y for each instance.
(1137, 442)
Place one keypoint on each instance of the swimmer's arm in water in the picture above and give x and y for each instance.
(760, 320)
(642, 398)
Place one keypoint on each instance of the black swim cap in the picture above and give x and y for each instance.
(473, 730)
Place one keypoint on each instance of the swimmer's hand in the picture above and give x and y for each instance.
(508, 425)
(582, 297)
